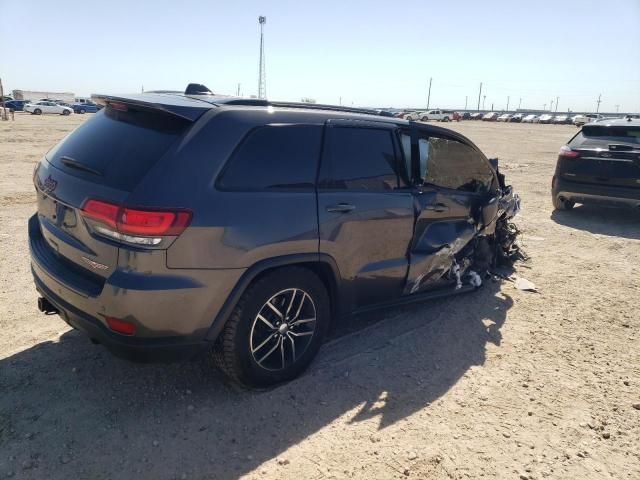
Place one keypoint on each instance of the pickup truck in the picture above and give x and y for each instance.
(580, 120)
(440, 115)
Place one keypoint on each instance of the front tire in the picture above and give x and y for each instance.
(82, 110)
(65, 112)
(37, 111)
(445, 119)
(276, 329)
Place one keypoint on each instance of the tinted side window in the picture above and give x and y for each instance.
(274, 157)
(359, 159)
(452, 164)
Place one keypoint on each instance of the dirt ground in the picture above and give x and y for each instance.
(499, 383)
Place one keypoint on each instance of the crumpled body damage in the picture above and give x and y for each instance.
(452, 245)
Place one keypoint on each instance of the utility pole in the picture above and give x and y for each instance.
(465, 101)
(262, 81)
(3, 113)
(519, 104)
(479, 93)
(492, 107)
(599, 100)
(484, 98)
(544, 107)
(557, 98)
(551, 107)
(340, 101)
(617, 108)
(508, 103)
(238, 90)
(429, 94)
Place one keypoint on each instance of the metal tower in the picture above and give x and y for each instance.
(262, 80)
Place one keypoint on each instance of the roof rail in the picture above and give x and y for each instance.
(258, 102)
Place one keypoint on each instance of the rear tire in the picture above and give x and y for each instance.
(37, 111)
(445, 119)
(424, 119)
(560, 204)
(65, 112)
(267, 319)
(82, 110)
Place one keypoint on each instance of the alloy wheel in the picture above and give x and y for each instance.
(283, 328)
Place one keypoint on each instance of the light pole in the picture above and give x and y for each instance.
(519, 104)
(465, 101)
(599, 100)
(484, 97)
(262, 81)
(508, 103)
(429, 94)
(479, 93)
(557, 98)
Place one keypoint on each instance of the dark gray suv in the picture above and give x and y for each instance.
(171, 223)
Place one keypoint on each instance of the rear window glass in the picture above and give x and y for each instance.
(117, 147)
(601, 134)
(275, 157)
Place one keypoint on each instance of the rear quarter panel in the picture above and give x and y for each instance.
(228, 229)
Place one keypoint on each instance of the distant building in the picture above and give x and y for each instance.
(66, 97)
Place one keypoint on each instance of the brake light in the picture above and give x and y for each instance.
(121, 326)
(121, 107)
(566, 151)
(134, 221)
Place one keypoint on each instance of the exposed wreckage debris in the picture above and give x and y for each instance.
(466, 250)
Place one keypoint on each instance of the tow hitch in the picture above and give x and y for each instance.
(46, 307)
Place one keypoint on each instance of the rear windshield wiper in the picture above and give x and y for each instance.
(71, 163)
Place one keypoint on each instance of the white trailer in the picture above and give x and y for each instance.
(34, 96)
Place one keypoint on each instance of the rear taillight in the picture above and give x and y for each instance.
(121, 326)
(135, 225)
(566, 151)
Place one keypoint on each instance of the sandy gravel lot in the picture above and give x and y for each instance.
(499, 383)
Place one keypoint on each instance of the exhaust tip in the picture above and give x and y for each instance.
(46, 307)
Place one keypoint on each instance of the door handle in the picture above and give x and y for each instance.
(438, 207)
(341, 208)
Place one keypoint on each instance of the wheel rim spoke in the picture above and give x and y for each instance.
(304, 297)
(276, 311)
(267, 322)
(293, 297)
(269, 352)
(301, 334)
(266, 340)
(293, 346)
(303, 321)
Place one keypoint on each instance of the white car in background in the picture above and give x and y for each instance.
(580, 120)
(38, 108)
(439, 115)
(505, 117)
(531, 118)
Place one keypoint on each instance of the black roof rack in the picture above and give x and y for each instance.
(257, 102)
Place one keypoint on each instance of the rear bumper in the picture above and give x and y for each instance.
(166, 349)
(173, 309)
(596, 194)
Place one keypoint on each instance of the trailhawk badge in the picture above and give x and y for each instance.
(94, 265)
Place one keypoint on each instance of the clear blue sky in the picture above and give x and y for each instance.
(370, 53)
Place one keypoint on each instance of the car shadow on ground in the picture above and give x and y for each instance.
(71, 410)
(611, 221)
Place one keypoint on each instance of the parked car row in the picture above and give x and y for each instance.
(50, 105)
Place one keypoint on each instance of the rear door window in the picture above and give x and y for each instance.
(274, 157)
(359, 159)
(117, 147)
(455, 165)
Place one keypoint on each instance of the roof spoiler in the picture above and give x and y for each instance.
(184, 107)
